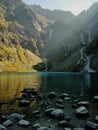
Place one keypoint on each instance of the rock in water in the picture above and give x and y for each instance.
(57, 114)
(52, 95)
(96, 119)
(64, 123)
(82, 112)
(91, 125)
(15, 117)
(84, 103)
(44, 128)
(95, 98)
(7, 123)
(2, 127)
(78, 129)
(23, 123)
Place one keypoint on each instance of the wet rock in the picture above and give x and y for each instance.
(24, 103)
(44, 128)
(36, 112)
(79, 129)
(30, 91)
(36, 126)
(67, 128)
(23, 123)
(64, 123)
(74, 105)
(84, 103)
(40, 97)
(3, 117)
(25, 95)
(62, 96)
(2, 127)
(7, 123)
(52, 95)
(48, 111)
(15, 117)
(91, 126)
(59, 101)
(82, 112)
(95, 98)
(66, 98)
(57, 114)
(96, 119)
(67, 118)
(59, 106)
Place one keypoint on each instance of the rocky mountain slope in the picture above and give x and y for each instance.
(12, 55)
(66, 42)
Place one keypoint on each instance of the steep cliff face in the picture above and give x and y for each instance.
(12, 55)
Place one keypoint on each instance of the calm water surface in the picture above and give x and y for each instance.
(11, 85)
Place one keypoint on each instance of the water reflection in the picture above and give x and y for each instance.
(12, 84)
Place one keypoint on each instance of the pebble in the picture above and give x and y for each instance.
(91, 125)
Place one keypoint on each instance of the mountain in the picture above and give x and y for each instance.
(85, 34)
(13, 57)
(31, 37)
(55, 15)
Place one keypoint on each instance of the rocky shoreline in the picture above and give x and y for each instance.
(52, 112)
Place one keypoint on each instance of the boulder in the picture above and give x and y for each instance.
(64, 123)
(2, 127)
(36, 126)
(23, 123)
(48, 111)
(7, 123)
(91, 126)
(57, 114)
(59, 106)
(95, 98)
(82, 112)
(24, 103)
(67, 128)
(15, 117)
(59, 101)
(44, 128)
(62, 96)
(66, 98)
(52, 95)
(96, 119)
(79, 129)
(84, 103)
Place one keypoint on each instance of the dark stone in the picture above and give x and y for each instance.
(67, 118)
(62, 96)
(84, 103)
(59, 106)
(91, 126)
(23, 123)
(95, 98)
(82, 112)
(40, 97)
(59, 101)
(96, 119)
(55, 113)
(2, 127)
(48, 111)
(24, 103)
(52, 95)
(36, 126)
(15, 117)
(64, 123)
(74, 105)
(7, 123)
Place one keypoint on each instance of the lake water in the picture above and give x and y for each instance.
(79, 85)
(11, 84)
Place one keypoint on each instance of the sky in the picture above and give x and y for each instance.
(75, 6)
